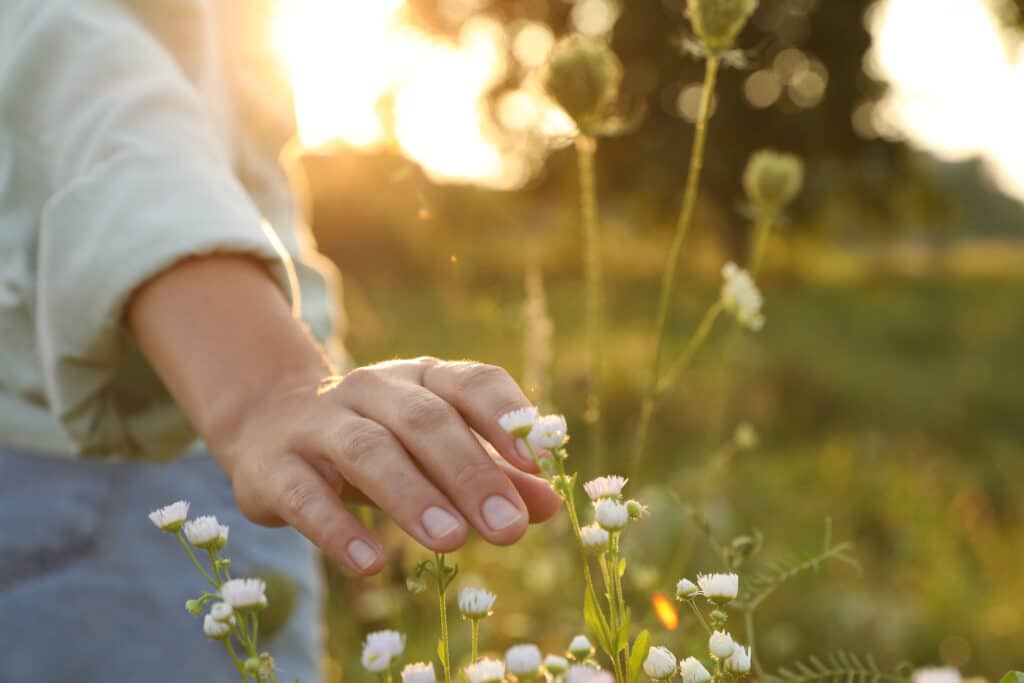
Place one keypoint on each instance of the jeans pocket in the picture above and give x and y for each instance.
(53, 511)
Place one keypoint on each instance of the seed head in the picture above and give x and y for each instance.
(772, 180)
(718, 22)
(583, 76)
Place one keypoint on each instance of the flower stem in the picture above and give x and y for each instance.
(586, 147)
(672, 266)
(442, 589)
(682, 363)
(235, 659)
(617, 581)
(195, 561)
(748, 617)
(474, 627)
(762, 231)
(700, 617)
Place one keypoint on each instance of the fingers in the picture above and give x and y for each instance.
(372, 460)
(481, 393)
(448, 452)
(304, 500)
(540, 499)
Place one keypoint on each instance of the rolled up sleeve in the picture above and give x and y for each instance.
(140, 176)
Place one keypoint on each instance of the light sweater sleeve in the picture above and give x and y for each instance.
(139, 176)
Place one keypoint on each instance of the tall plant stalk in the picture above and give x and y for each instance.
(672, 266)
(586, 148)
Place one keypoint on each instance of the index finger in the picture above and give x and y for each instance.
(482, 393)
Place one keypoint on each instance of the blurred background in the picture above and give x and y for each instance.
(885, 388)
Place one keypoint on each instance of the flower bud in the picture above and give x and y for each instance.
(739, 661)
(718, 22)
(419, 673)
(476, 603)
(636, 509)
(595, 539)
(772, 180)
(217, 630)
(660, 664)
(686, 589)
(252, 666)
(580, 648)
(222, 611)
(720, 644)
(523, 660)
(611, 514)
(556, 665)
(194, 607)
(693, 671)
(583, 76)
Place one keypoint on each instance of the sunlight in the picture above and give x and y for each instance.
(956, 89)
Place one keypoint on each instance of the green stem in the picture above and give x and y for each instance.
(617, 580)
(594, 287)
(700, 617)
(762, 231)
(748, 618)
(672, 265)
(570, 504)
(682, 363)
(442, 589)
(474, 629)
(195, 561)
(235, 659)
(255, 631)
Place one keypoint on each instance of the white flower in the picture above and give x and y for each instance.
(595, 539)
(222, 611)
(170, 517)
(660, 663)
(486, 671)
(611, 514)
(720, 644)
(685, 589)
(204, 532)
(555, 664)
(523, 660)
(719, 588)
(741, 297)
(475, 603)
(580, 648)
(693, 671)
(605, 487)
(583, 673)
(739, 661)
(936, 674)
(519, 423)
(419, 673)
(548, 432)
(215, 629)
(380, 648)
(244, 593)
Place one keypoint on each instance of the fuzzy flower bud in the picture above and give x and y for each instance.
(718, 22)
(556, 665)
(170, 518)
(222, 611)
(611, 514)
(636, 509)
(588, 674)
(379, 648)
(205, 532)
(660, 664)
(580, 647)
(595, 539)
(217, 630)
(693, 671)
(194, 607)
(739, 661)
(772, 180)
(519, 422)
(476, 603)
(523, 660)
(419, 673)
(720, 644)
(741, 297)
(686, 589)
(719, 588)
(252, 666)
(486, 671)
(244, 593)
(583, 76)
(548, 432)
(605, 487)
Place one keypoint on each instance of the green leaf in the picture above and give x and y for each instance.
(1013, 677)
(441, 654)
(595, 619)
(641, 646)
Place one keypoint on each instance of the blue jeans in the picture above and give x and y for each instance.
(91, 591)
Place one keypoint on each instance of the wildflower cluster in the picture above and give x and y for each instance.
(234, 603)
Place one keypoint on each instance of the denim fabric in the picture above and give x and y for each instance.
(91, 591)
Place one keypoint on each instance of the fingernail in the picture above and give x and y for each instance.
(500, 514)
(361, 554)
(438, 522)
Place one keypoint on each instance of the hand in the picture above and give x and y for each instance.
(399, 434)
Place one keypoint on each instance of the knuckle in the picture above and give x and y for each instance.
(295, 498)
(361, 440)
(475, 475)
(477, 376)
(423, 411)
(360, 378)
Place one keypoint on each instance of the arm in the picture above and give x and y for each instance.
(222, 338)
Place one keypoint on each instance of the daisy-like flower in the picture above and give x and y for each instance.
(611, 514)
(741, 297)
(556, 665)
(171, 517)
(419, 673)
(660, 664)
(213, 628)
(595, 539)
(686, 589)
(936, 674)
(523, 660)
(244, 593)
(605, 487)
(222, 611)
(205, 532)
(548, 432)
(476, 603)
(486, 671)
(693, 671)
(519, 423)
(720, 644)
(739, 661)
(580, 648)
(379, 648)
(719, 588)
(584, 673)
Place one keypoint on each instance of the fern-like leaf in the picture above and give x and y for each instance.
(838, 667)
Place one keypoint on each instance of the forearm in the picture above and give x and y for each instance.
(221, 336)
